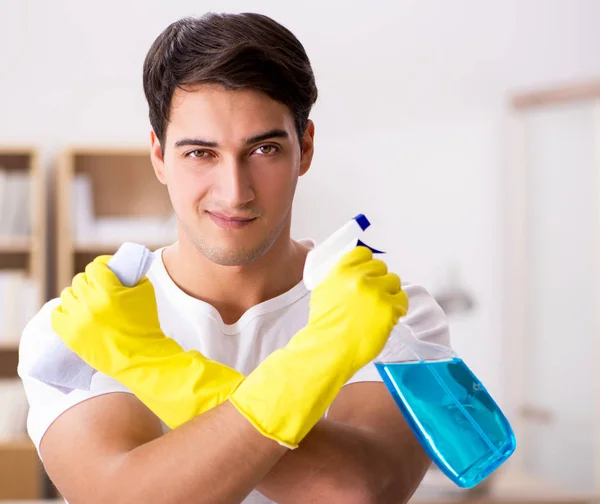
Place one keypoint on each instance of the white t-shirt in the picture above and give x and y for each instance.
(196, 325)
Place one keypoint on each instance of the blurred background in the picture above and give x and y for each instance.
(468, 131)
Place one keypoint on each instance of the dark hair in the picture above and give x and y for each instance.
(237, 51)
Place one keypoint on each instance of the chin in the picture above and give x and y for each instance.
(231, 257)
(233, 254)
(233, 249)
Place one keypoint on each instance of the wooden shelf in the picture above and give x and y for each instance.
(16, 245)
(21, 473)
(9, 347)
(107, 248)
(20, 470)
(123, 184)
(23, 444)
(25, 254)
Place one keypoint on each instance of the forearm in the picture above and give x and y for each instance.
(339, 463)
(217, 457)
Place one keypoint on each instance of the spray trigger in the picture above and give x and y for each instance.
(374, 250)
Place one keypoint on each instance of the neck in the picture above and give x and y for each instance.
(232, 290)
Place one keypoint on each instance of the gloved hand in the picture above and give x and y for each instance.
(352, 313)
(115, 329)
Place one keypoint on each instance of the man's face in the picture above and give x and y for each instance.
(231, 163)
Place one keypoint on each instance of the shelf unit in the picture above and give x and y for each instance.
(123, 184)
(26, 253)
(21, 475)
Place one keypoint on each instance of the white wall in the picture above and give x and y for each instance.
(410, 121)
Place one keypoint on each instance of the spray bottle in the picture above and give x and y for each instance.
(58, 366)
(450, 412)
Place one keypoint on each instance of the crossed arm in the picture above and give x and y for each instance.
(111, 449)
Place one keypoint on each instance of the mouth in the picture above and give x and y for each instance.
(230, 221)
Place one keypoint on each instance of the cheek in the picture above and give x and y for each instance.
(186, 186)
(275, 188)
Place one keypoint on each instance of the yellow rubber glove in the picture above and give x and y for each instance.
(352, 313)
(115, 329)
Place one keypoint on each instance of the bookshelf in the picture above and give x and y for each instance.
(106, 196)
(22, 293)
(22, 246)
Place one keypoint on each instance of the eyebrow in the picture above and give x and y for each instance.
(197, 142)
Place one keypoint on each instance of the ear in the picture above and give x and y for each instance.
(156, 156)
(308, 147)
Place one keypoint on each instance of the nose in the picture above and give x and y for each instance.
(234, 185)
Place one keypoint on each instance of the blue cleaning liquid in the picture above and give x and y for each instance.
(453, 416)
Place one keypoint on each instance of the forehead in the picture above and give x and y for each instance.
(218, 114)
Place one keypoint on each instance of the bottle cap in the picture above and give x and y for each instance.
(362, 221)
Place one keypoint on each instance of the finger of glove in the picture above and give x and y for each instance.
(62, 324)
(57, 320)
(389, 283)
(372, 269)
(101, 273)
(68, 300)
(79, 285)
(400, 303)
(98, 273)
(358, 255)
(60, 316)
(103, 259)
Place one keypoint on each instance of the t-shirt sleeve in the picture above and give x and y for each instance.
(425, 319)
(47, 403)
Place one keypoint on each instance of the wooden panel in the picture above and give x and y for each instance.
(12, 245)
(81, 260)
(9, 359)
(557, 95)
(20, 471)
(124, 184)
(64, 260)
(14, 161)
(14, 260)
(38, 246)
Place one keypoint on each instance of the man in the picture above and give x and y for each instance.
(266, 392)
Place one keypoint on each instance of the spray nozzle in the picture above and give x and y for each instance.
(323, 257)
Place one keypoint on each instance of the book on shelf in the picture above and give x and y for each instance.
(13, 410)
(15, 203)
(89, 229)
(19, 302)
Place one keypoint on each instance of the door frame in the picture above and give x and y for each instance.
(515, 279)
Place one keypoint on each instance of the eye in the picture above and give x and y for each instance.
(197, 154)
(266, 150)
